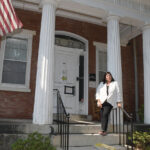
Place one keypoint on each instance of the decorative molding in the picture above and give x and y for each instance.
(92, 8)
(80, 17)
(53, 2)
(114, 17)
(26, 6)
(146, 26)
(124, 42)
(112, 8)
(77, 11)
(23, 32)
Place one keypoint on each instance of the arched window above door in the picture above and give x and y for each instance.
(67, 41)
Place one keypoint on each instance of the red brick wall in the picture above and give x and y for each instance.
(128, 74)
(128, 78)
(139, 51)
(20, 105)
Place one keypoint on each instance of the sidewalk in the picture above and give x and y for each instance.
(84, 148)
(115, 147)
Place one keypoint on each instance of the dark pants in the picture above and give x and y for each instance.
(105, 112)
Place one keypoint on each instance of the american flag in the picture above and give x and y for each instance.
(8, 18)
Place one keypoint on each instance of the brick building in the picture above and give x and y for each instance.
(68, 45)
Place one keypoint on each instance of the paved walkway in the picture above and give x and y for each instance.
(98, 147)
(83, 148)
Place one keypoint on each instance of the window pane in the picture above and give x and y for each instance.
(102, 61)
(14, 72)
(16, 49)
(101, 75)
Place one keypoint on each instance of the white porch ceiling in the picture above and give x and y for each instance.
(129, 27)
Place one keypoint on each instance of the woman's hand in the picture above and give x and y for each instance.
(119, 104)
(99, 103)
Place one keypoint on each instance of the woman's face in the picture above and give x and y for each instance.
(108, 77)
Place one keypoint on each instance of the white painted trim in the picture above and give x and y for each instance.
(86, 64)
(90, 15)
(114, 9)
(15, 87)
(80, 17)
(26, 34)
(99, 47)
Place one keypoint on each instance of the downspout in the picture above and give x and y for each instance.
(136, 81)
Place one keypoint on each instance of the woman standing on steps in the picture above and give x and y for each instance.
(107, 96)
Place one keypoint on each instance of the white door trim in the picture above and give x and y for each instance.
(86, 64)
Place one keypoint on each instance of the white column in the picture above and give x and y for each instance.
(43, 104)
(113, 49)
(146, 62)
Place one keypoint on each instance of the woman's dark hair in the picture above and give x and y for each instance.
(104, 79)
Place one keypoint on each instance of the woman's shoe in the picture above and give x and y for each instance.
(104, 133)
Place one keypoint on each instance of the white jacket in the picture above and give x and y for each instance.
(114, 95)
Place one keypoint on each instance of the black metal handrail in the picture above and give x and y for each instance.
(63, 122)
(125, 134)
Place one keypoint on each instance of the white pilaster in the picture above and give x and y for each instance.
(146, 62)
(113, 49)
(43, 104)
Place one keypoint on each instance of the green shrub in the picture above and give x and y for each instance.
(141, 140)
(35, 141)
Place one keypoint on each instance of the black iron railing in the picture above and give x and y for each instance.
(63, 122)
(123, 125)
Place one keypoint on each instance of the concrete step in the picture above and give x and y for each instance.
(81, 128)
(83, 133)
(88, 139)
(77, 117)
(89, 128)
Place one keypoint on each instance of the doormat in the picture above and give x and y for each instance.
(101, 145)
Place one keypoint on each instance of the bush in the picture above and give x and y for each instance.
(35, 141)
(141, 140)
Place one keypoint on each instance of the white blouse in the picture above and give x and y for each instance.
(113, 96)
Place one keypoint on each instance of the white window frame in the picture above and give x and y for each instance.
(24, 34)
(103, 48)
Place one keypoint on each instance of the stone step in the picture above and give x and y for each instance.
(81, 128)
(77, 117)
(26, 126)
(11, 130)
(92, 128)
(88, 139)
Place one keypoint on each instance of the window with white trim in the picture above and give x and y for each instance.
(15, 61)
(101, 61)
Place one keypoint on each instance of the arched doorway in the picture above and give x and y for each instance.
(71, 71)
